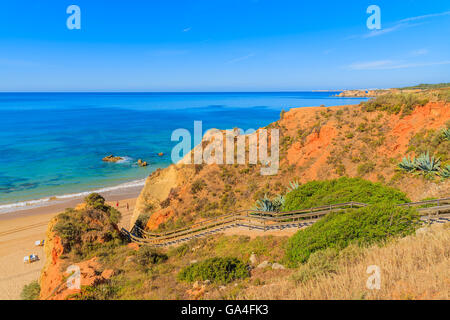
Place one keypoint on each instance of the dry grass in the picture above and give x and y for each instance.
(415, 267)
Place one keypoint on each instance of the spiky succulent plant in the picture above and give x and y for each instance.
(445, 172)
(407, 164)
(268, 205)
(428, 164)
(293, 185)
(446, 134)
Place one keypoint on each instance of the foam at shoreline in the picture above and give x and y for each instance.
(30, 204)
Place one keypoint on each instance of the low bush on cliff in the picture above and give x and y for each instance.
(432, 141)
(88, 228)
(104, 291)
(362, 226)
(31, 291)
(318, 193)
(395, 103)
(148, 256)
(219, 270)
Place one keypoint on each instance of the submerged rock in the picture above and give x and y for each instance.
(142, 163)
(112, 158)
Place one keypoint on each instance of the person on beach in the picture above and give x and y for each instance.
(128, 207)
(117, 204)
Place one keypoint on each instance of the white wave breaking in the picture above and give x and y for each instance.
(29, 204)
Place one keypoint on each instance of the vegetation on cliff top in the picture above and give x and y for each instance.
(433, 150)
(82, 231)
(424, 86)
(219, 270)
(31, 291)
(318, 193)
(405, 103)
(363, 226)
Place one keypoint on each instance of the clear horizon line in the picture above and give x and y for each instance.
(215, 91)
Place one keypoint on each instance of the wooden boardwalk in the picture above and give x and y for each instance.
(431, 211)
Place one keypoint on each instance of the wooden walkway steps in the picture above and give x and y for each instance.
(431, 211)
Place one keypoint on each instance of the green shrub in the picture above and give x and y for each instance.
(94, 199)
(147, 256)
(114, 215)
(142, 220)
(178, 251)
(197, 186)
(365, 168)
(88, 229)
(431, 141)
(362, 226)
(31, 291)
(320, 263)
(219, 270)
(105, 291)
(395, 103)
(318, 193)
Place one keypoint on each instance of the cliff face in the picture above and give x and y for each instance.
(71, 237)
(51, 277)
(315, 144)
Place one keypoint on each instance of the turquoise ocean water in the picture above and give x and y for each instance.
(51, 144)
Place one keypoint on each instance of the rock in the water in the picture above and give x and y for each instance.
(253, 258)
(277, 266)
(112, 158)
(264, 264)
(142, 163)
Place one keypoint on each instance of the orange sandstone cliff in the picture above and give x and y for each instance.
(316, 143)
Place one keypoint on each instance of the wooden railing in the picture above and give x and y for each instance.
(262, 220)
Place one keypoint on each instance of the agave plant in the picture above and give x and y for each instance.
(446, 134)
(445, 172)
(293, 185)
(278, 202)
(428, 164)
(408, 164)
(268, 205)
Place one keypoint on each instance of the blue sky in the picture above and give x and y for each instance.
(214, 45)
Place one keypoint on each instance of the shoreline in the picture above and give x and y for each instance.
(57, 206)
(127, 189)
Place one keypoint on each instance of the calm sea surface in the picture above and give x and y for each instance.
(51, 144)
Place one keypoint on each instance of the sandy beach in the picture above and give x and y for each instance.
(19, 230)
